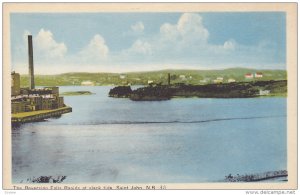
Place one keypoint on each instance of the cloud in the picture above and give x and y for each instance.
(169, 32)
(184, 43)
(52, 55)
(191, 28)
(140, 47)
(46, 50)
(230, 45)
(96, 48)
(188, 29)
(138, 27)
(187, 42)
(45, 45)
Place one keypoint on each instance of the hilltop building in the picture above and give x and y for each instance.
(218, 80)
(150, 82)
(249, 76)
(231, 80)
(122, 76)
(87, 83)
(258, 75)
(182, 77)
(254, 75)
(264, 92)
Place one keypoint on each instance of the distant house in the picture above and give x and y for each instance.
(264, 92)
(231, 80)
(258, 75)
(87, 83)
(182, 77)
(122, 76)
(150, 81)
(218, 80)
(248, 75)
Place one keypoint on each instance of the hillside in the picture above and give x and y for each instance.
(194, 77)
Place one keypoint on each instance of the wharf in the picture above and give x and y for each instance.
(25, 117)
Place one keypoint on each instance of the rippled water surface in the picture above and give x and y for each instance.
(182, 140)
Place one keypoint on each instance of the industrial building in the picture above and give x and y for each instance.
(31, 98)
(15, 84)
(27, 100)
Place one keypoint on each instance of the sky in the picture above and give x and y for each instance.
(126, 42)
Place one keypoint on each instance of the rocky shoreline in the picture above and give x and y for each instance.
(225, 90)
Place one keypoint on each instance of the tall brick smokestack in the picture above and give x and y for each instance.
(30, 62)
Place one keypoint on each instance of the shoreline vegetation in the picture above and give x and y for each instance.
(188, 77)
(220, 90)
(73, 93)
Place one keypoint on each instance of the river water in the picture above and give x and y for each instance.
(181, 140)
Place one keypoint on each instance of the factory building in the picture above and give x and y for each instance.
(37, 99)
(17, 107)
(31, 98)
(15, 84)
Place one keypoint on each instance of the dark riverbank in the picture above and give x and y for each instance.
(225, 90)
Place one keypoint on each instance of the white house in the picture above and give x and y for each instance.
(264, 92)
(87, 83)
(150, 81)
(258, 75)
(249, 76)
(231, 80)
(122, 76)
(220, 78)
(217, 81)
(182, 77)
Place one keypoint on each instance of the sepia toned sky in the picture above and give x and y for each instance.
(123, 42)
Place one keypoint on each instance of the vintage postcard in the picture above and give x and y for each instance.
(149, 96)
